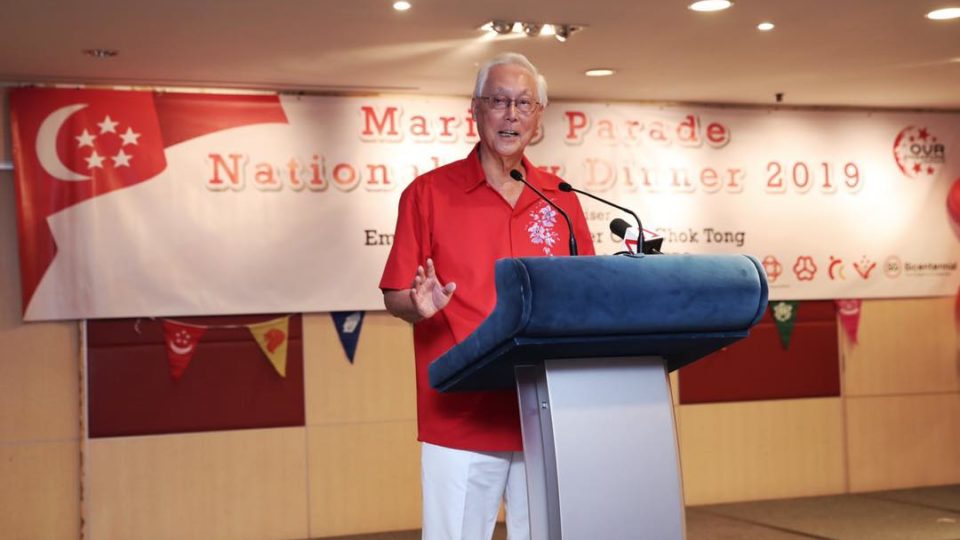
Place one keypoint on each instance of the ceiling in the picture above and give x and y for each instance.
(864, 53)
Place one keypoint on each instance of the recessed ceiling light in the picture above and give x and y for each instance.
(602, 72)
(765, 26)
(501, 27)
(710, 5)
(562, 31)
(532, 29)
(401, 5)
(101, 53)
(944, 14)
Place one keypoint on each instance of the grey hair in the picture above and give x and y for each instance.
(515, 59)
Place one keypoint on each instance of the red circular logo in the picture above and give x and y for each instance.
(918, 152)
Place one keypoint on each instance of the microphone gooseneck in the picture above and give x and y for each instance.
(567, 187)
(516, 175)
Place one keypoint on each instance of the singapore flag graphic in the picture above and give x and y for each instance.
(72, 146)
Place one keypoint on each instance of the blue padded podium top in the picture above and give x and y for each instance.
(680, 307)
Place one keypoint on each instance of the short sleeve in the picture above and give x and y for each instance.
(408, 249)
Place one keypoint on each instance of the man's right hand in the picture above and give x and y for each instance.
(423, 299)
(427, 294)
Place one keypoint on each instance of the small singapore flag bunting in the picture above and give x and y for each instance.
(181, 342)
(849, 313)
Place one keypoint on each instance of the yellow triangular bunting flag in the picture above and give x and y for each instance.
(273, 336)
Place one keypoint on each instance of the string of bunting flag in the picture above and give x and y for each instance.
(182, 338)
(785, 315)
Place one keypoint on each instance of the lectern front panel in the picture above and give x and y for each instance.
(601, 451)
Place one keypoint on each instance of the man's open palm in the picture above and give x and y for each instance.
(428, 294)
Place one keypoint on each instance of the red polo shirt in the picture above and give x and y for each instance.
(453, 216)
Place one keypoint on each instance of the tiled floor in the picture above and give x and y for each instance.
(915, 514)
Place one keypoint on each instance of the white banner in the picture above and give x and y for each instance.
(299, 216)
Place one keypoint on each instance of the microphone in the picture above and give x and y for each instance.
(623, 229)
(516, 175)
(567, 187)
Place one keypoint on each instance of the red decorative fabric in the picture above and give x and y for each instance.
(759, 368)
(229, 385)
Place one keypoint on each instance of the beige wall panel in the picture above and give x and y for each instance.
(761, 450)
(379, 385)
(40, 490)
(364, 478)
(39, 362)
(226, 485)
(906, 346)
(39, 398)
(39, 382)
(903, 441)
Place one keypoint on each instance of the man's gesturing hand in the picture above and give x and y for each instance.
(427, 293)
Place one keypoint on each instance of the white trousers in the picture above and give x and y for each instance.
(462, 490)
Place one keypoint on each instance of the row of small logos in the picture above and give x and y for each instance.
(805, 268)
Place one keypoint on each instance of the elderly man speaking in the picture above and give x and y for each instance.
(454, 222)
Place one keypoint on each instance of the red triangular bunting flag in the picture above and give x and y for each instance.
(181, 341)
(849, 313)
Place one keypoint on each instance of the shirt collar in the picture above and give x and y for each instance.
(478, 178)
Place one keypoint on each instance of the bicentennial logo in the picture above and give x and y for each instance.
(918, 153)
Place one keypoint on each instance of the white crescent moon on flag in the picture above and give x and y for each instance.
(180, 350)
(849, 308)
(47, 144)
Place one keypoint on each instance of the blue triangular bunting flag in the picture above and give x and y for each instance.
(348, 324)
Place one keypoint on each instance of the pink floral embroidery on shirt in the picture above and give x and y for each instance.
(541, 226)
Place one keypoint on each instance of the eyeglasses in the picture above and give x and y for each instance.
(524, 104)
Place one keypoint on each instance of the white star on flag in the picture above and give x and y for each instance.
(121, 159)
(94, 160)
(85, 139)
(129, 137)
(108, 125)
